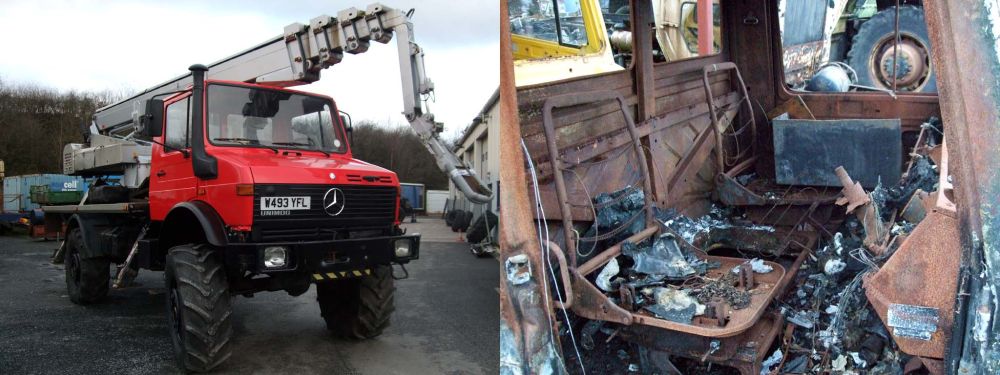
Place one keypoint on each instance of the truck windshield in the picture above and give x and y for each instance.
(253, 117)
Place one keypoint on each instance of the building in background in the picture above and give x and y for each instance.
(480, 147)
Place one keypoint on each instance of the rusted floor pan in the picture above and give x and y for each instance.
(734, 321)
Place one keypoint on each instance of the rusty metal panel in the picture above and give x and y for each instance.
(800, 59)
(966, 59)
(922, 275)
(642, 60)
(806, 152)
(667, 148)
(528, 343)
(743, 351)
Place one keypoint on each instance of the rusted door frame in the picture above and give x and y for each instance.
(967, 62)
(528, 344)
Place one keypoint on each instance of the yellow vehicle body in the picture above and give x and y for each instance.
(543, 58)
(538, 60)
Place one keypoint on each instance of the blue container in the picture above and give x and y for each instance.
(415, 194)
(17, 189)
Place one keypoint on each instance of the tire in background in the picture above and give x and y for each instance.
(463, 225)
(882, 25)
(457, 220)
(478, 231)
(449, 217)
(87, 280)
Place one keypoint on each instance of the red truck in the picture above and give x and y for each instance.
(234, 184)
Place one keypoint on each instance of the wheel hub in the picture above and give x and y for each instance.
(903, 67)
(911, 69)
(73, 266)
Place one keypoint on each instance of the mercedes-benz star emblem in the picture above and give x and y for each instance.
(334, 202)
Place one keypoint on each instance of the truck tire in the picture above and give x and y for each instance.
(478, 231)
(873, 43)
(198, 307)
(459, 220)
(449, 217)
(455, 217)
(463, 225)
(87, 280)
(358, 308)
(107, 194)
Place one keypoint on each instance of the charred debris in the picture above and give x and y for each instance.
(774, 279)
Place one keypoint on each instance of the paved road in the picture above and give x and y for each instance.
(446, 322)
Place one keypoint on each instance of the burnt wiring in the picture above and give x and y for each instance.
(732, 132)
(542, 228)
(593, 211)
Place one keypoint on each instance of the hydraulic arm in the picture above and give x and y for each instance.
(296, 58)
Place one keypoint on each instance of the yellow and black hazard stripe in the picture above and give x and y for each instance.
(337, 275)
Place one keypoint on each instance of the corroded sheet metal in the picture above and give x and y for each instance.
(917, 283)
(528, 344)
(967, 58)
(592, 304)
(592, 133)
(743, 351)
(801, 61)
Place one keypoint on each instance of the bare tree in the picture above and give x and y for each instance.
(398, 149)
(36, 122)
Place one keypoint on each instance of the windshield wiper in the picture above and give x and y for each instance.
(300, 144)
(248, 141)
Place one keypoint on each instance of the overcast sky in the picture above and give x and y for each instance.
(114, 45)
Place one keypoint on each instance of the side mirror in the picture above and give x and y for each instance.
(151, 124)
(345, 119)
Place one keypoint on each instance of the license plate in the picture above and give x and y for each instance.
(284, 203)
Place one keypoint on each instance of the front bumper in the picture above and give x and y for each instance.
(315, 257)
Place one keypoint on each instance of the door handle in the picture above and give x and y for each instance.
(160, 173)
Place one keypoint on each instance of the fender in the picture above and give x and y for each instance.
(211, 224)
(90, 226)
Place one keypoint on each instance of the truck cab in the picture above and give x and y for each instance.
(246, 188)
(234, 184)
(285, 186)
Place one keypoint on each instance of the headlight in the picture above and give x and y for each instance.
(402, 248)
(275, 256)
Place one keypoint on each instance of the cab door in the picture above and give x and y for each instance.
(172, 178)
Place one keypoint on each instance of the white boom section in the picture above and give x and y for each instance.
(298, 56)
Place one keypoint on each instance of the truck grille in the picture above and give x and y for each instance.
(365, 207)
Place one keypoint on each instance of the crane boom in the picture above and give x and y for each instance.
(299, 55)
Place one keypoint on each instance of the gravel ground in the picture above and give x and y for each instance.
(446, 322)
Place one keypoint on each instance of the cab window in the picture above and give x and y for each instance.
(677, 29)
(178, 124)
(537, 19)
(689, 14)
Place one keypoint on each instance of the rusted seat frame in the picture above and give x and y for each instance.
(582, 296)
(569, 100)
